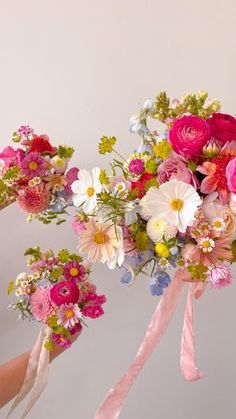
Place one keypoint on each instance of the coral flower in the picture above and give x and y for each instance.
(74, 271)
(197, 254)
(34, 199)
(215, 180)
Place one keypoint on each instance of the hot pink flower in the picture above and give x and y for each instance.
(64, 292)
(136, 166)
(33, 165)
(220, 276)
(93, 311)
(12, 157)
(176, 168)
(40, 304)
(76, 329)
(231, 175)
(188, 135)
(71, 176)
(34, 199)
(223, 127)
(74, 271)
(61, 340)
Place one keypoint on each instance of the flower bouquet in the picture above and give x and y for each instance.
(35, 176)
(59, 295)
(171, 203)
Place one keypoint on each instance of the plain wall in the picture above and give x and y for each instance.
(77, 70)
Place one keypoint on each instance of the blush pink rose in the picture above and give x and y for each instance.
(188, 135)
(64, 292)
(176, 168)
(231, 175)
(223, 127)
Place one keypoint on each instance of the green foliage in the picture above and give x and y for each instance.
(35, 252)
(103, 177)
(65, 151)
(63, 256)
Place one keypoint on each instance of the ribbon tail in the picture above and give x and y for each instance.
(187, 353)
(35, 364)
(112, 405)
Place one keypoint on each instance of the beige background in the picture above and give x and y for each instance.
(77, 70)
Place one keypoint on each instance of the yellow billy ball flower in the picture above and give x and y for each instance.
(162, 250)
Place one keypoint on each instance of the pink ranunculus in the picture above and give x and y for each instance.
(40, 304)
(188, 135)
(223, 127)
(64, 292)
(231, 175)
(176, 168)
(71, 176)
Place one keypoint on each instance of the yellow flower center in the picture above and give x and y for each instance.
(60, 163)
(90, 191)
(176, 204)
(69, 314)
(217, 224)
(33, 165)
(100, 237)
(206, 244)
(74, 271)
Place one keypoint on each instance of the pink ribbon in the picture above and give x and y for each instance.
(112, 405)
(187, 353)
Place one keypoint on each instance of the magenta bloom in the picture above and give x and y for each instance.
(136, 166)
(176, 168)
(64, 292)
(33, 165)
(61, 340)
(223, 127)
(40, 304)
(220, 277)
(74, 271)
(231, 175)
(93, 311)
(188, 136)
(71, 176)
(76, 329)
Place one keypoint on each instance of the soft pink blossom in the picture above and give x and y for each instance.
(78, 226)
(220, 276)
(71, 176)
(34, 199)
(176, 168)
(33, 165)
(231, 175)
(41, 304)
(68, 315)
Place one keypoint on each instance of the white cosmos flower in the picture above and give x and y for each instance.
(175, 202)
(86, 189)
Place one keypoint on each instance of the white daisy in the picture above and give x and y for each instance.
(218, 224)
(86, 189)
(174, 201)
(206, 244)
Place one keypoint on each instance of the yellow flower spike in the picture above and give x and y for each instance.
(162, 250)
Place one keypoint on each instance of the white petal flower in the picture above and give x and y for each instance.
(157, 228)
(175, 202)
(86, 189)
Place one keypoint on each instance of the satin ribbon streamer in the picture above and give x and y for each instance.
(112, 405)
(36, 374)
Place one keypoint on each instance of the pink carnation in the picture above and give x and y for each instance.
(40, 304)
(176, 168)
(188, 136)
(220, 276)
(64, 292)
(223, 127)
(231, 175)
(34, 199)
(93, 311)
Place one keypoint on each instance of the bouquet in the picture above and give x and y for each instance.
(35, 176)
(57, 293)
(170, 204)
(173, 204)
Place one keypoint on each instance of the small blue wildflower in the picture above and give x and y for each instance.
(126, 278)
(156, 289)
(164, 279)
